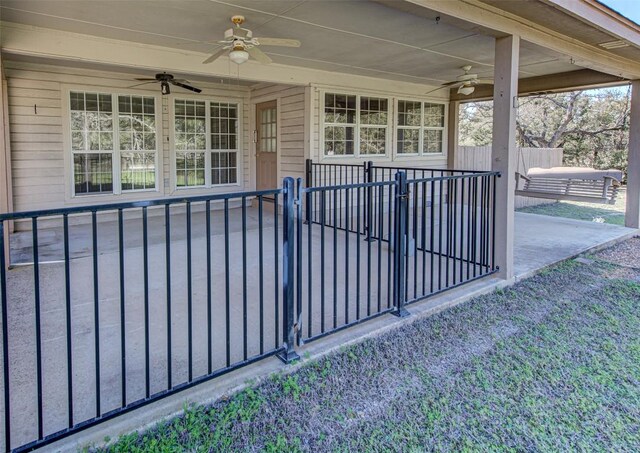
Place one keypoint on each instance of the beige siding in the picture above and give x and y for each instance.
(35, 97)
(292, 110)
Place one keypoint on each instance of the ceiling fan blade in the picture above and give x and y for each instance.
(186, 87)
(435, 89)
(215, 56)
(143, 83)
(259, 55)
(452, 83)
(146, 80)
(484, 81)
(280, 42)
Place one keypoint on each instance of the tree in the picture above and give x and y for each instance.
(592, 125)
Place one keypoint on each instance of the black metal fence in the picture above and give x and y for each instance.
(117, 306)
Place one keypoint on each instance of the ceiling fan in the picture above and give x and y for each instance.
(243, 45)
(165, 80)
(466, 82)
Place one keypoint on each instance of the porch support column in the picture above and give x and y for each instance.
(503, 152)
(632, 216)
(452, 134)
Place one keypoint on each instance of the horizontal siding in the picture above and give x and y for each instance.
(36, 131)
(292, 111)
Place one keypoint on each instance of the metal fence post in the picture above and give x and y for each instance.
(288, 353)
(308, 182)
(298, 263)
(368, 174)
(402, 194)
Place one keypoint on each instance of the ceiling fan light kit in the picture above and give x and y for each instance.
(466, 90)
(239, 44)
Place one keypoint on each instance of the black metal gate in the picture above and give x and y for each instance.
(112, 307)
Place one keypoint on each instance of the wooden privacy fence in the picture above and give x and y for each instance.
(479, 158)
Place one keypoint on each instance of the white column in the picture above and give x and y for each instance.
(453, 125)
(503, 152)
(632, 216)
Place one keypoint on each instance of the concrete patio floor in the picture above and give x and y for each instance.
(540, 241)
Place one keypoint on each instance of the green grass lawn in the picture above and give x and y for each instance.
(603, 213)
(551, 364)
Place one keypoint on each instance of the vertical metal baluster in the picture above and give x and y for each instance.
(474, 233)
(461, 250)
(335, 258)
(369, 239)
(449, 224)
(310, 272)
(391, 232)
(67, 294)
(493, 223)
(276, 239)
(96, 310)
(424, 236)
(189, 294)
(207, 215)
(244, 278)
(36, 293)
(227, 306)
(414, 194)
(145, 251)
(123, 325)
(380, 215)
(346, 258)
(298, 264)
(167, 238)
(432, 183)
(340, 182)
(440, 236)
(357, 253)
(5, 340)
(261, 270)
(469, 223)
(322, 279)
(454, 232)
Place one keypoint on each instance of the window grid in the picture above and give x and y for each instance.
(137, 142)
(420, 128)
(92, 134)
(355, 125)
(206, 143)
(224, 142)
(113, 140)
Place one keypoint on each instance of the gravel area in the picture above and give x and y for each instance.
(550, 364)
(625, 253)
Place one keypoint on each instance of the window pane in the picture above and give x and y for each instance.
(223, 167)
(409, 113)
(408, 141)
(340, 108)
(433, 115)
(339, 140)
(432, 141)
(138, 171)
(373, 110)
(189, 125)
(190, 169)
(224, 125)
(92, 173)
(372, 140)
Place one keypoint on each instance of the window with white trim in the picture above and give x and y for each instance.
(206, 142)
(420, 127)
(102, 146)
(355, 125)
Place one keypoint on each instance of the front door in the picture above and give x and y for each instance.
(266, 146)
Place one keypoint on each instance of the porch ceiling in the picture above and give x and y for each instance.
(350, 36)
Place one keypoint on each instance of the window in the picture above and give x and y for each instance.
(206, 143)
(102, 146)
(355, 125)
(420, 127)
(92, 142)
